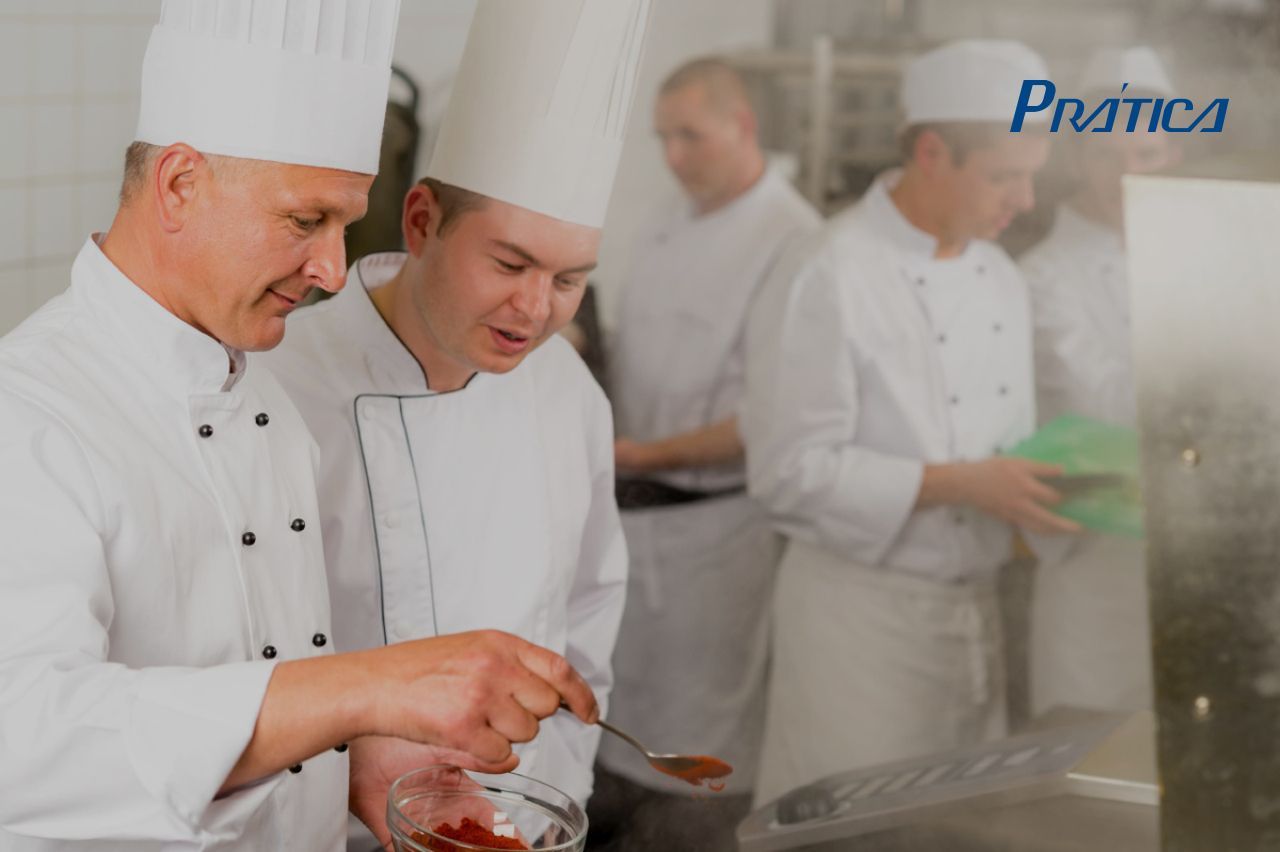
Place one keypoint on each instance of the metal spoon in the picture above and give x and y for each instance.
(692, 768)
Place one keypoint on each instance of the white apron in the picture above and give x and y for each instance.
(872, 665)
(163, 553)
(692, 654)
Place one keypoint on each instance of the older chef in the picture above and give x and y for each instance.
(466, 473)
(166, 670)
(692, 654)
(886, 370)
(1090, 644)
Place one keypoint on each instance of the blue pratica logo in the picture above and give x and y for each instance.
(1160, 114)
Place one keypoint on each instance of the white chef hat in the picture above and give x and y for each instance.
(1140, 67)
(540, 104)
(294, 81)
(970, 80)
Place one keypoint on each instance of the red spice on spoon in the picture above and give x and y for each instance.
(704, 768)
(469, 831)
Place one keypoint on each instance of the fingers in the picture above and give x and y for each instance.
(536, 696)
(1042, 493)
(563, 679)
(1041, 469)
(1038, 519)
(512, 721)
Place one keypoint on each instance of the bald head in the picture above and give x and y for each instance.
(722, 86)
(708, 130)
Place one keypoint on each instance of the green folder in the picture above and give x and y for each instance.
(1100, 483)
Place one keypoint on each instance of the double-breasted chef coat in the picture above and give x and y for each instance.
(1090, 634)
(868, 358)
(693, 651)
(487, 507)
(161, 555)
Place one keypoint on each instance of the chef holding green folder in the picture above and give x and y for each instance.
(889, 371)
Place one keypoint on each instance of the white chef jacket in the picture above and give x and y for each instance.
(868, 358)
(1080, 302)
(1090, 634)
(139, 621)
(487, 507)
(693, 651)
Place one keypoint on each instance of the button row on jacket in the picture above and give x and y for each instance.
(319, 640)
(206, 431)
(249, 539)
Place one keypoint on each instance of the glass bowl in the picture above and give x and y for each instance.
(422, 802)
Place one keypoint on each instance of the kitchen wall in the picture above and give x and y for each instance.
(69, 74)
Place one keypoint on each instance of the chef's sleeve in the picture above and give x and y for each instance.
(92, 749)
(800, 418)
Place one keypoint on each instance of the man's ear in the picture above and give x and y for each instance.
(177, 175)
(930, 151)
(420, 219)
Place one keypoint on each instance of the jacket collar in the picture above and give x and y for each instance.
(176, 356)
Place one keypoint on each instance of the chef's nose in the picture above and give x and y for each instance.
(327, 266)
(533, 298)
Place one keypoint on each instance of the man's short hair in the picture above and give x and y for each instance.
(139, 156)
(725, 88)
(137, 162)
(454, 201)
(962, 138)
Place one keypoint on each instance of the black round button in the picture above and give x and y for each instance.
(206, 431)
(262, 419)
(296, 769)
(319, 640)
(298, 525)
(269, 652)
(248, 539)
(340, 749)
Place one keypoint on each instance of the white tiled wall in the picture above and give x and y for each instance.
(69, 98)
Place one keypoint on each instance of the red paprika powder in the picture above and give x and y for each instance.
(705, 769)
(469, 831)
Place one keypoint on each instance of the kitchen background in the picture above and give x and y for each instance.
(69, 74)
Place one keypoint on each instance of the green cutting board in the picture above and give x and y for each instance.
(1086, 447)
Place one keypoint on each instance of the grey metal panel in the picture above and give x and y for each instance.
(1205, 272)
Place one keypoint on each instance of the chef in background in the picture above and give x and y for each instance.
(888, 367)
(1090, 643)
(692, 655)
(167, 676)
(466, 476)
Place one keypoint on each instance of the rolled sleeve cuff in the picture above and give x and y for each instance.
(189, 728)
(878, 497)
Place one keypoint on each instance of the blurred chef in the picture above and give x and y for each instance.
(167, 676)
(692, 653)
(887, 369)
(466, 473)
(1090, 644)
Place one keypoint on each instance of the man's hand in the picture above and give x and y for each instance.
(1005, 487)
(470, 695)
(632, 456)
(473, 692)
(376, 763)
